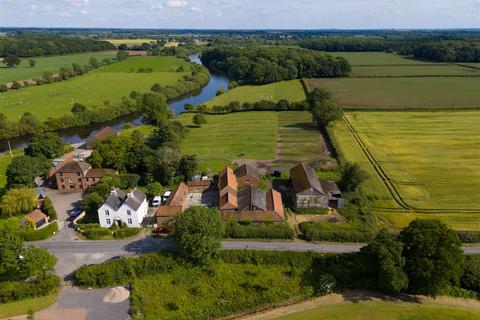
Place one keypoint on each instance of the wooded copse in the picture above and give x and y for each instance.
(458, 50)
(32, 45)
(262, 65)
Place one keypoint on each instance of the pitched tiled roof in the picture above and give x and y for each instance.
(167, 211)
(177, 197)
(246, 170)
(98, 173)
(36, 216)
(75, 167)
(228, 201)
(226, 178)
(304, 178)
(252, 197)
(330, 187)
(275, 203)
(116, 198)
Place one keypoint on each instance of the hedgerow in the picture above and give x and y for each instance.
(262, 231)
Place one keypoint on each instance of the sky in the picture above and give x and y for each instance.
(242, 14)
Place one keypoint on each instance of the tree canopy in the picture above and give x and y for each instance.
(262, 65)
(17, 201)
(198, 234)
(48, 145)
(434, 258)
(23, 170)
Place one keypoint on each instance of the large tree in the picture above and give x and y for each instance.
(17, 201)
(11, 247)
(37, 262)
(48, 145)
(434, 258)
(11, 60)
(155, 108)
(326, 112)
(352, 176)
(23, 170)
(198, 234)
(382, 258)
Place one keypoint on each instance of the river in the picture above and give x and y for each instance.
(78, 134)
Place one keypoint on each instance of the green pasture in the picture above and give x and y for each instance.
(384, 310)
(129, 42)
(243, 135)
(404, 93)
(158, 64)
(286, 136)
(377, 58)
(289, 90)
(413, 70)
(51, 63)
(92, 89)
(431, 158)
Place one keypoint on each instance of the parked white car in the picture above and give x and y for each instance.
(166, 195)
(157, 201)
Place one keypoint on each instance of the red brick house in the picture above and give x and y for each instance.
(74, 176)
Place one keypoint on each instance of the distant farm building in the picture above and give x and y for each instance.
(310, 192)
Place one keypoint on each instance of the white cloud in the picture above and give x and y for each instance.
(78, 3)
(33, 7)
(83, 11)
(196, 9)
(157, 7)
(176, 3)
(64, 14)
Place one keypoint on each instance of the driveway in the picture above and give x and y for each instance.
(77, 304)
(64, 203)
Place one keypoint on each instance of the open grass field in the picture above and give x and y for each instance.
(379, 310)
(377, 58)
(107, 83)
(404, 93)
(129, 42)
(11, 309)
(413, 70)
(243, 135)
(53, 64)
(289, 90)
(430, 161)
(287, 137)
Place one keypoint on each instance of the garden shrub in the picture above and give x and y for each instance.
(319, 231)
(97, 233)
(40, 234)
(126, 232)
(49, 209)
(15, 290)
(262, 231)
(469, 236)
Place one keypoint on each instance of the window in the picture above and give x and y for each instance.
(129, 212)
(63, 186)
(107, 213)
(108, 221)
(129, 220)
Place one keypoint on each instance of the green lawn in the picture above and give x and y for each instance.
(53, 64)
(243, 135)
(377, 58)
(414, 70)
(92, 89)
(430, 158)
(11, 309)
(391, 93)
(289, 90)
(4, 162)
(262, 135)
(379, 310)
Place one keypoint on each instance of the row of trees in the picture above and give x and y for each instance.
(261, 65)
(31, 45)
(425, 48)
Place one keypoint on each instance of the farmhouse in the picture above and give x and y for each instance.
(247, 202)
(174, 205)
(310, 192)
(75, 176)
(122, 208)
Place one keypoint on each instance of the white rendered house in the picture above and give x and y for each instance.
(122, 208)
